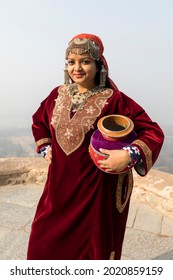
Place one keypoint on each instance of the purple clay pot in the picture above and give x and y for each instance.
(98, 141)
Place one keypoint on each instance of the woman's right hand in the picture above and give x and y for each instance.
(48, 155)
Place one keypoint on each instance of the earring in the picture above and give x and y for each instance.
(66, 75)
(103, 73)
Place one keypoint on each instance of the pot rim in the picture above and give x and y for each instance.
(113, 133)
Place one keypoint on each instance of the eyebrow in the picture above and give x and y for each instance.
(85, 57)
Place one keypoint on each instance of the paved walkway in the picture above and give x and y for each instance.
(149, 234)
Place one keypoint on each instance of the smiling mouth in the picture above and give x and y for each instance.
(78, 75)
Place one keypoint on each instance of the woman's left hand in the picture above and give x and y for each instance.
(117, 160)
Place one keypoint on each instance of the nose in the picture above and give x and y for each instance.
(78, 66)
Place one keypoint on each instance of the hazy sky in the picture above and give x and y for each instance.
(138, 41)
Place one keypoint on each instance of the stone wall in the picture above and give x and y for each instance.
(22, 171)
(156, 188)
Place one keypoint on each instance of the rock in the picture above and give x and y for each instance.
(23, 171)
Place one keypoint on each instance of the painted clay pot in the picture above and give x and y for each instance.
(114, 132)
(96, 156)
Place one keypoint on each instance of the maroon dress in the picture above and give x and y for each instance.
(82, 212)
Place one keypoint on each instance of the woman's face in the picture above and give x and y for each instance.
(82, 69)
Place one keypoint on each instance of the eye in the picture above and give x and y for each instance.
(70, 62)
(86, 61)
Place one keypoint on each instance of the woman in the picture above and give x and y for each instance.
(82, 212)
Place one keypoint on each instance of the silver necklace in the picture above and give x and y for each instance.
(78, 99)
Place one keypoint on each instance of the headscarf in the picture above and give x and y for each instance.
(99, 43)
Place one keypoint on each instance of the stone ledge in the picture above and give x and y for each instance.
(156, 188)
(22, 171)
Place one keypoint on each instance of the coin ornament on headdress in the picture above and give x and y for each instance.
(80, 41)
(83, 45)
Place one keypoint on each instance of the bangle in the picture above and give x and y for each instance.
(43, 151)
(134, 153)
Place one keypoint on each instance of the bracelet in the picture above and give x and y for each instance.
(43, 151)
(134, 153)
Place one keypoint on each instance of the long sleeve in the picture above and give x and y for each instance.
(150, 136)
(41, 121)
(149, 141)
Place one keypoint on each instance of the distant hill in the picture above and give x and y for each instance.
(20, 143)
(17, 143)
(165, 160)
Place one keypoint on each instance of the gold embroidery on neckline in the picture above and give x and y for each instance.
(70, 132)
